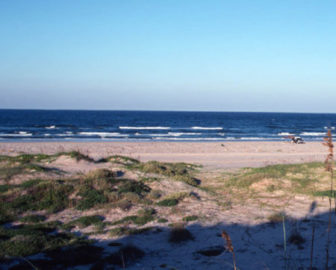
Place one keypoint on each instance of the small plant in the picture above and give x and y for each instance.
(168, 202)
(33, 219)
(229, 247)
(173, 199)
(77, 156)
(86, 221)
(276, 218)
(190, 218)
(162, 220)
(329, 165)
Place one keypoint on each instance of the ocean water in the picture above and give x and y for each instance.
(62, 125)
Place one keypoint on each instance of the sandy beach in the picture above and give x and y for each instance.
(165, 211)
(209, 154)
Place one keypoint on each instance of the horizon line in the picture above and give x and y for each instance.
(153, 110)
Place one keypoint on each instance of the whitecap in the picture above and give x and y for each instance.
(103, 134)
(313, 134)
(136, 128)
(177, 134)
(207, 128)
(285, 134)
(20, 134)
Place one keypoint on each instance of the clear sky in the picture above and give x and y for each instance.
(169, 55)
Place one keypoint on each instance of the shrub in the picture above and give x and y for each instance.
(162, 220)
(133, 186)
(101, 174)
(190, 218)
(47, 196)
(89, 198)
(168, 202)
(86, 221)
(33, 218)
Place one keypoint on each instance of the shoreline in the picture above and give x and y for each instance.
(209, 154)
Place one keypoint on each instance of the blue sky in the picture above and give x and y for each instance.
(169, 55)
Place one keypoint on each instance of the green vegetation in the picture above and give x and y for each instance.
(190, 218)
(276, 217)
(51, 196)
(75, 155)
(123, 160)
(178, 171)
(33, 219)
(144, 216)
(290, 178)
(168, 202)
(173, 199)
(86, 221)
(31, 239)
(90, 198)
(325, 193)
(162, 220)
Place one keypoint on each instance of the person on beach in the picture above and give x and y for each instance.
(295, 139)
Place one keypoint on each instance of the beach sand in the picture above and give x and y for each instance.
(208, 154)
(245, 203)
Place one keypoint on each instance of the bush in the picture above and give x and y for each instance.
(46, 196)
(86, 221)
(168, 202)
(190, 218)
(133, 186)
(33, 219)
(89, 198)
(101, 174)
(162, 220)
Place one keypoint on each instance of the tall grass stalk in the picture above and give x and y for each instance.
(229, 247)
(284, 239)
(312, 248)
(329, 163)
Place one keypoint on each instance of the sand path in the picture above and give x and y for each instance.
(209, 154)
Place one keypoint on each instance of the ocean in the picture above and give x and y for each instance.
(72, 125)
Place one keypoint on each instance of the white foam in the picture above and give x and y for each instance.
(207, 128)
(186, 139)
(139, 128)
(285, 134)
(177, 134)
(51, 127)
(20, 134)
(221, 134)
(252, 138)
(313, 134)
(103, 134)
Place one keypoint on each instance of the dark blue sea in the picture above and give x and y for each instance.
(62, 125)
